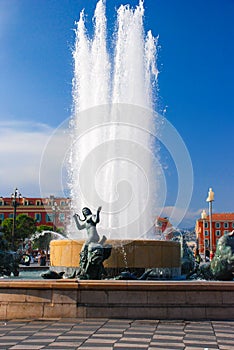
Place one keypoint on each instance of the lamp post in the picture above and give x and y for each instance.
(204, 217)
(210, 199)
(15, 200)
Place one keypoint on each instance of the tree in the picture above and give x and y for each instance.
(7, 228)
(24, 228)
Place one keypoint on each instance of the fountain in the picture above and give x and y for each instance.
(113, 96)
(112, 117)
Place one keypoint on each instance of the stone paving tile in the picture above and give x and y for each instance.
(140, 330)
(25, 347)
(6, 329)
(193, 332)
(15, 324)
(146, 322)
(225, 336)
(199, 337)
(99, 341)
(38, 340)
(166, 347)
(135, 332)
(114, 326)
(104, 335)
(127, 346)
(229, 342)
(120, 320)
(98, 347)
(165, 333)
(6, 345)
(77, 332)
(135, 340)
(166, 344)
(67, 347)
(170, 338)
(19, 332)
(140, 336)
(200, 348)
(203, 344)
(111, 330)
(62, 345)
(199, 330)
(109, 335)
(223, 330)
(83, 328)
(68, 338)
(10, 337)
(143, 325)
(48, 334)
(226, 347)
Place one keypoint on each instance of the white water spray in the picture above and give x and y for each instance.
(112, 162)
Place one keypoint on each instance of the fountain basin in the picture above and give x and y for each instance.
(126, 254)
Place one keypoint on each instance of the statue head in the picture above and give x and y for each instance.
(86, 212)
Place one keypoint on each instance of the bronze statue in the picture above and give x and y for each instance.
(93, 253)
(89, 223)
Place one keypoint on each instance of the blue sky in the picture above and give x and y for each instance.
(195, 61)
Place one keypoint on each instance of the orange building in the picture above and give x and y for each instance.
(221, 223)
(52, 211)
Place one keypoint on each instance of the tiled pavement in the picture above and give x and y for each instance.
(93, 334)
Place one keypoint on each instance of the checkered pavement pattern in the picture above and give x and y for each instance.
(103, 334)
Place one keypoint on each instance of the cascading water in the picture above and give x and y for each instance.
(113, 161)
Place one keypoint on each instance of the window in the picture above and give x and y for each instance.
(38, 217)
(226, 232)
(226, 225)
(49, 217)
(206, 233)
(61, 217)
(11, 216)
(218, 233)
(206, 224)
(233, 225)
(62, 203)
(25, 202)
(1, 203)
(206, 243)
(38, 202)
(1, 216)
(217, 224)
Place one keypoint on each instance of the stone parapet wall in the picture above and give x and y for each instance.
(117, 299)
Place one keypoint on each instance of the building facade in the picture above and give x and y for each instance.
(52, 211)
(222, 223)
(163, 228)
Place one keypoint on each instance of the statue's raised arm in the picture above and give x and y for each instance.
(97, 216)
(80, 224)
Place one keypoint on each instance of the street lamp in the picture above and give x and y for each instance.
(210, 199)
(204, 217)
(15, 201)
